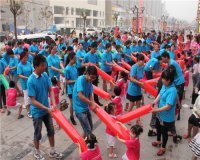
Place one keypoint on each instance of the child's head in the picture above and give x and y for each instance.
(54, 80)
(136, 130)
(118, 48)
(123, 75)
(12, 84)
(117, 91)
(110, 108)
(90, 140)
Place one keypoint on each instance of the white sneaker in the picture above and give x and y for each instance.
(56, 155)
(38, 156)
(29, 115)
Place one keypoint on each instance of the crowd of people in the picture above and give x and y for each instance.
(41, 72)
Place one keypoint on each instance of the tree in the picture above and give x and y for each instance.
(47, 15)
(83, 13)
(16, 9)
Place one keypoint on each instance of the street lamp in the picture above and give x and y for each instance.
(136, 10)
(115, 16)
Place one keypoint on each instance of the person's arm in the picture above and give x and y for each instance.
(108, 64)
(56, 69)
(52, 97)
(39, 105)
(13, 68)
(69, 81)
(132, 79)
(22, 76)
(164, 108)
(84, 99)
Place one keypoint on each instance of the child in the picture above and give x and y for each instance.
(11, 95)
(194, 146)
(110, 109)
(117, 101)
(133, 145)
(56, 92)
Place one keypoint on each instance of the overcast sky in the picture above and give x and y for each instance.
(182, 9)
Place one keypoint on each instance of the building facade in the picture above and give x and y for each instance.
(68, 13)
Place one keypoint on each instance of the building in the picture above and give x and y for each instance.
(33, 12)
(67, 13)
(150, 13)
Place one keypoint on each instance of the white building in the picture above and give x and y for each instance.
(66, 13)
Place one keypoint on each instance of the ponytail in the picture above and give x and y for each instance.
(70, 57)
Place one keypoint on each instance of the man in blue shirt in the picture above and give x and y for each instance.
(155, 53)
(127, 53)
(34, 49)
(45, 52)
(19, 48)
(92, 57)
(83, 99)
(179, 80)
(39, 87)
(79, 58)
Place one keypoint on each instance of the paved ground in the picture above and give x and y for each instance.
(16, 138)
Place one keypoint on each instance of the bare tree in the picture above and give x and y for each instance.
(47, 15)
(16, 9)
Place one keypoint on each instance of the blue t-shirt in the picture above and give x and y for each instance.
(104, 42)
(179, 78)
(53, 60)
(30, 58)
(155, 54)
(60, 46)
(118, 42)
(18, 50)
(151, 63)
(86, 88)
(139, 48)
(90, 42)
(25, 70)
(13, 63)
(44, 53)
(136, 72)
(6, 58)
(171, 55)
(2, 66)
(133, 48)
(70, 74)
(168, 95)
(34, 48)
(106, 57)
(93, 58)
(79, 54)
(38, 87)
(101, 48)
(128, 52)
(117, 56)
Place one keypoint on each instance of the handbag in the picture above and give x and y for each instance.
(63, 105)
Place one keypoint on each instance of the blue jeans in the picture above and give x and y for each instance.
(85, 120)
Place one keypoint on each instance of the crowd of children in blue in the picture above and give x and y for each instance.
(36, 65)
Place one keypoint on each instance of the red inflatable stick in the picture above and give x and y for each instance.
(135, 113)
(181, 63)
(91, 154)
(101, 93)
(134, 59)
(119, 68)
(164, 65)
(7, 70)
(103, 74)
(69, 129)
(145, 57)
(147, 87)
(126, 65)
(152, 82)
(157, 74)
(115, 127)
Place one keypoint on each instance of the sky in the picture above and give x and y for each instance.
(182, 9)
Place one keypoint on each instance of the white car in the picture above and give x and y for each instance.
(90, 31)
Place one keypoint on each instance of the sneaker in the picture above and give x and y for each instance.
(56, 155)
(73, 121)
(151, 133)
(8, 113)
(38, 156)
(29, 115)
(20, 116)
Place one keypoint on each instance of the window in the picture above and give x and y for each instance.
(94, 2)
(99, 13)
(72, 11)
(67, 10)
(95, 13)
(58, 10)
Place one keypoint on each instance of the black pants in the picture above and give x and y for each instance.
(95, 82)
(162, 130)
(180, 90)
(2, 96)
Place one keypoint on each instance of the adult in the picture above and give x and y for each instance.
(166, 109)
(24, 70)
(79, 58)
(39, 87)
